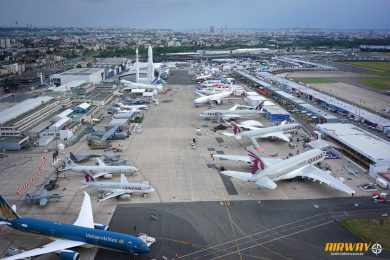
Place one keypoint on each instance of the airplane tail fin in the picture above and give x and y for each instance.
(236, 129)
(256, 163)
(69, 162)
(260, 106)
(7, 213)
(88, 179)
(72, 157)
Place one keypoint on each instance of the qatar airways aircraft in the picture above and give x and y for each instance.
(261, 133)
(266, 171)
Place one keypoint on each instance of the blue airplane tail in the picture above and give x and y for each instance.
(72, 157)
(7, 213)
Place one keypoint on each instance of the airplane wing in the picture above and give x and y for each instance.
(85, 218)
(230, 116)
(279, 135)
(251, 124)
(99, 174)
(200, 94)
(228, 134)
(113, 194)
(234, 107)
(266, 182)
(124, 179)
(56, 245)
(100, 162)
(246, 159)
(109, 133)
(243, 176)
(237, 158)
(314, 173)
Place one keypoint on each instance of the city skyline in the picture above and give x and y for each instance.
(190, 15)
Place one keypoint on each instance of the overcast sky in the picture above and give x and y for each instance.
(193, 14)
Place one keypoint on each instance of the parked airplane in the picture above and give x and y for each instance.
(123, 114)
(202, 78)
(82, 233)
(100, 170)
(136, 85)
(123, 189)
(132, 107)
(112, 134)
(267, 132)
(78, 158)
(232, 113)
(41, 197)
(266, 171)
(216, 98)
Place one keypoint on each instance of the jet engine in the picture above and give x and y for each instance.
(107, 176)
(101, 226)
(125, 196)
(69, 255)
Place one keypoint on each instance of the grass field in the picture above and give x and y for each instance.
(378, 73)
(369, 230)
(316, 80)
(377, 83)
(377, 67)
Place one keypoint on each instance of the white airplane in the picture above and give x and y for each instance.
(235, 112)
(100, 170)
(124, 114)
(136, 85)
(132, 107)
(266, 171)
(123, 189)
(261, 133)
(203, 77)
(216, 98)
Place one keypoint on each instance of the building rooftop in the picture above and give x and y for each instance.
(82, 71)
(22, 108)
(335, 102)
(365, 143)
(276, 110)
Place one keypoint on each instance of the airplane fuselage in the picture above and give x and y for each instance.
(283, 168)
(216, 97)
(96, 237)
(244, 113)
(132, 187)
(98, 169)
(273, 129)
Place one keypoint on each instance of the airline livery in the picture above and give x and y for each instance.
(83, 232)
(266, 171)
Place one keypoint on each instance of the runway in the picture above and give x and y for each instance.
(295, 229)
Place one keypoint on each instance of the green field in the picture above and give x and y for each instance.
(316, 80)
(370, 230)
(376, 67)
(377, 83)
(378, 73)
